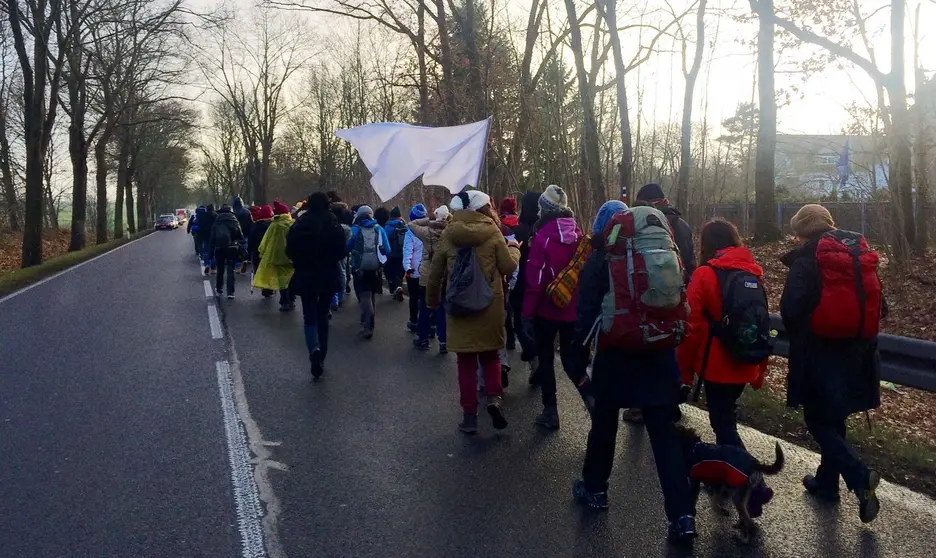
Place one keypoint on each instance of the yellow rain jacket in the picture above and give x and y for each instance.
(276, 270)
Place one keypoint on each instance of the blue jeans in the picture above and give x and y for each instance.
(426, 317)
(207, 257)
(343, 273)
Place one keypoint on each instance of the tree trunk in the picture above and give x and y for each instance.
(128, 195)
(6, 175)
(626, 166)
(901, 171)
(591, 159)
(474, 60)
(685, 159)
(448, 74)
(123, 162)
(100, 179)
(78, 151)
(765, 203)
(421, 59)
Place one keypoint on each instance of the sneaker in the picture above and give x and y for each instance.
(368, 334)
(219, 293)
(243, 269)
(496, 411)
(318, 367)
(549, 418)
(505, 375)
(422, 345)
(683, 530)
(214, 271)
(443, 349)
(633, 416)
(593, 500)
(469, 424)
(230, 296)
(207, 270)
(820, 490)
(398, 295)
(412, 327)
(533, 380)
(868, 503)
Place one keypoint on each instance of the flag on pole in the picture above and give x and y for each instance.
(397, 154)
(844, 164)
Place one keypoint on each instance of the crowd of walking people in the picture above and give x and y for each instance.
(639, 326)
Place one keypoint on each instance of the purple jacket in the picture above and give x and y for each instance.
(551, 249)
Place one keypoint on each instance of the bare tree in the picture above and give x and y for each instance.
(766, 227)
(691, 74)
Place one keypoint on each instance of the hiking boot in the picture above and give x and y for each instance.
(243, 269)
(868, 504)
(633, 416)
(593, 500)
(443, 349)
(820, 490)
(207, 270)
(533, 380)
(412, 327)
(505, 378)
(318, 367)
(421, 345)
(496, 411)
(469, 423)
(682, 531)
(549, 418)
(219, 293)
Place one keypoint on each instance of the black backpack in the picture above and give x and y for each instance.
(744, 325)
(396, 241)
(469, 291)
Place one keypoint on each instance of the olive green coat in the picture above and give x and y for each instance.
(483, 331)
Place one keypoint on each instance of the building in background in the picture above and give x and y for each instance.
(830, 167)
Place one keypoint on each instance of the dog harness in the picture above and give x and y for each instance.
(721, 465)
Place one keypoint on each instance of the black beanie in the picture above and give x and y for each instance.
(651, 192)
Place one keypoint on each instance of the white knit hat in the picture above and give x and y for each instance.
(441, 213)
(476, 200)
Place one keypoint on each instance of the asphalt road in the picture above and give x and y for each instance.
(114, 441)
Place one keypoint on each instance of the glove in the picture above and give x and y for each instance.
(528, 329)
(409, 273)
(684, 392)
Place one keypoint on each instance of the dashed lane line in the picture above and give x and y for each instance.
(214, 322)
(208, 291)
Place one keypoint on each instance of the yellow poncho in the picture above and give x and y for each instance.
(275, 269)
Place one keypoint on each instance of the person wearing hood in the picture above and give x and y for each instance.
(259, 228)
(345, 219)
(830, 378)
(523, 233)
(316, 245)
(625, 378)
(276, 269)
(368, 243)
(204, 230)
(430, 233)
(393, 269)
(245, 221)
(509, 220)
(225, 242)
(382, 216)
(552, 248)
(475, 337)
(412, 256)
(193, 229)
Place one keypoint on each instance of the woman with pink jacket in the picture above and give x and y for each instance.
(555, 239)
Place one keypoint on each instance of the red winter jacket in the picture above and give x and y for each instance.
(705, 301)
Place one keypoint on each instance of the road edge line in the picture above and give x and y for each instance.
(70, 268)
(246, 496)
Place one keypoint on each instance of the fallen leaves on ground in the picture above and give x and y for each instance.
(54, 243)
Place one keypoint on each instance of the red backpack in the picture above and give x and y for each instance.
(850, 293)
(646, 306)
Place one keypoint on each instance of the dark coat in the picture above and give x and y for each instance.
(316, 244)
(205, 222)
(243, 216)
(830, 378)
(523, 233)
(225, 232)
(257, 231)
(682, 234)
(628, 379)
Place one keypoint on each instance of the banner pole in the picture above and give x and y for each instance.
(487, 137)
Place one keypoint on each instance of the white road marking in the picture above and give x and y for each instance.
(246, 498)
(208, 288)
(215, 322)
(72, 268)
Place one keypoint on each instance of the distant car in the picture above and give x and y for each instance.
(182, 215)
(167, 223)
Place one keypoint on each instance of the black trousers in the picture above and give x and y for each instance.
(838, 458)
(545, 332)
(670, 464)
(315, 322)
(412, 285)
(225, 258)
(515, 318)
(722, 403)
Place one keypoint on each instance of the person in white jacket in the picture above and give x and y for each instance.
(412, 258)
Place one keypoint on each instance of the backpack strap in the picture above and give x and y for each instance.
(713, 324)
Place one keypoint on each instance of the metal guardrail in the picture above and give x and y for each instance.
(904, 360)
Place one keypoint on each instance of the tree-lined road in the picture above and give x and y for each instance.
(125, 408)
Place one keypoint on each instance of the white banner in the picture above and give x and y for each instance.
(397, 154)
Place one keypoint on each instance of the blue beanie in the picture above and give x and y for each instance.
(418, 212)
(605, 214)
